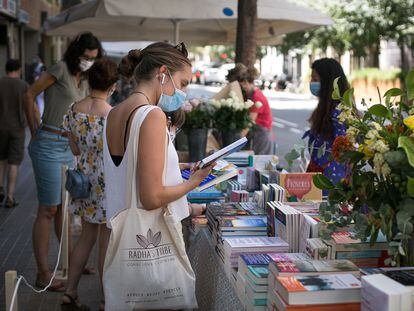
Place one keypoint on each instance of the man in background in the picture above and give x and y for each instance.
(12, 129)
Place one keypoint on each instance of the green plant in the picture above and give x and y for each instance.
(198, 115)
(377, 196)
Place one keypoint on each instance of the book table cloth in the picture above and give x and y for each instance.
(213, 288)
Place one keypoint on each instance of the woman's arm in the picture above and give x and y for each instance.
(151, 156)
(72, 143)
(35, 89)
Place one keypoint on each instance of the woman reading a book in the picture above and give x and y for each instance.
(260, 112)
(324, 124)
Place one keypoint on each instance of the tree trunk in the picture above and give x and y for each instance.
(404, 63)
(246, 32)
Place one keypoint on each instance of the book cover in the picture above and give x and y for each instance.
(256, 242)
(310, 266)
(319, 282)
(259, 272)
(300, 187)
(402, 276)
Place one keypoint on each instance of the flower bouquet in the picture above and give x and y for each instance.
(231, 113)
(377, 195)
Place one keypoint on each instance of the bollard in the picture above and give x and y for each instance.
(10, 282)
(62, 273)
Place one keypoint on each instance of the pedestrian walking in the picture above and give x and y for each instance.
(63, 83)
(12, 129)
(84, 124)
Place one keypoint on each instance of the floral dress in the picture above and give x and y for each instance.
(87, 131)
(325, 164)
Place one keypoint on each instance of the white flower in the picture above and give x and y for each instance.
(378, 159)
(258, 104)
(380, 146)
(352, 133)
(248, 104)
(385, 170)
(187, 107)
(372, 135)
(411, 111)
(232, 94)
(376, 126)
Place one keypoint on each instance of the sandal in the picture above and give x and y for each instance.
(73, 304)
(11, 203)
(54, 287)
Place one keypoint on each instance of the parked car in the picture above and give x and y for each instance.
(216, 74)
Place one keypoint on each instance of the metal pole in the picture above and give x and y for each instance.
(176, 24)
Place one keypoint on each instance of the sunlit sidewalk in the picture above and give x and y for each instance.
(16, 251)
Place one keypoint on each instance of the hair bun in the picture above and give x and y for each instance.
(129, 63)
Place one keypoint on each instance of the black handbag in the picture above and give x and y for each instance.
(77, 184)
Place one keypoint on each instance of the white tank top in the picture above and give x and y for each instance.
(115, 177)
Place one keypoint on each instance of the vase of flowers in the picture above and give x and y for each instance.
(197, 122)
(231, 116)
(377, 195)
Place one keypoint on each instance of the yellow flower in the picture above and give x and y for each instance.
(409, 121)
(367, 151)
(89, 210)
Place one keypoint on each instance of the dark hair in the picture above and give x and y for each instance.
(177, 117)
(83, 41)
(242, 73)
(103, 74)
(13, 65)
(142, 63)
(328, 70)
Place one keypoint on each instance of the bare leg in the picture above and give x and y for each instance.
(11, 180)
(104, 234)
(79, 257)
(41, 236)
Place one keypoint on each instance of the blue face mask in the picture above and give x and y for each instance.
(315, 88)
(173, 102)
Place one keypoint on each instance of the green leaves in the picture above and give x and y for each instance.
(409, 84)
(393, 92)
(410, 186)
(336, 94)
(378, 110)
(322, 182)
(348, 98)
(407, 143)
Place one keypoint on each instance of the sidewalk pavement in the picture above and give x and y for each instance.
(16, 251)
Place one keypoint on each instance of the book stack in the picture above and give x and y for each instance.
(198, 223)
(345, 246)
(232, 185)
(252, 277)
(209, 195)
(252, 208)
(234, 247)
(240, 159)
(380, 292)
(230, 219)
(315, 248)
(339, 292)
(239, 196)
(284, 221)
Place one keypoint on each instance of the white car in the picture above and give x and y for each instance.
(217, 73)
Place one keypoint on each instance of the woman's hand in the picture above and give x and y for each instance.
(186, 166)
(200, 174)
(197, 209)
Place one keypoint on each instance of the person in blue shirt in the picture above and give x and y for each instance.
(324, 124)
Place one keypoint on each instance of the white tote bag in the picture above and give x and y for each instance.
(146, 266)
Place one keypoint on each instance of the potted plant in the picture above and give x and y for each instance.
(198, 117)
(231, 116)
(377, 196)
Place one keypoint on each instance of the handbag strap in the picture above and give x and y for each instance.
(132, 152)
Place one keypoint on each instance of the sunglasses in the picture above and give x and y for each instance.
(182, 48)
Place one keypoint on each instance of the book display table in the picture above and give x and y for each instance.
(213, 288)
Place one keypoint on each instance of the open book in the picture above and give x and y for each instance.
(221, 172)
(234, 147)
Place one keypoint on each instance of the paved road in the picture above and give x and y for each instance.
(290, 114)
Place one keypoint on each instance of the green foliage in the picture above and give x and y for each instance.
(198, 117)
(228, 119)
(407, 143)
(374, 74)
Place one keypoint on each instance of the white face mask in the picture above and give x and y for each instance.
(84, 65)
